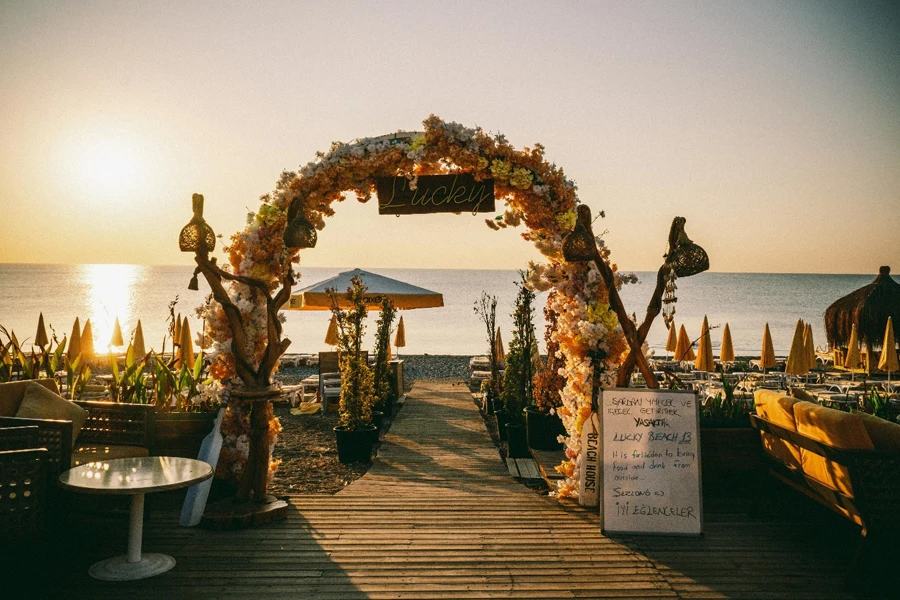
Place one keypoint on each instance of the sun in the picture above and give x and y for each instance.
(108, 165)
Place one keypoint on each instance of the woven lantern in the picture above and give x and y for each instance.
(299, 232)
(579, 245)
(197, 235)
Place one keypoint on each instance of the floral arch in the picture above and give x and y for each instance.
(537, 195)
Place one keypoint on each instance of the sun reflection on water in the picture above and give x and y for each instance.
(110, 295)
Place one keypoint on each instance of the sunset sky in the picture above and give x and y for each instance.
(773, 127)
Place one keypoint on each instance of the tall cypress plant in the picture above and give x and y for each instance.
(382, 346)
(518, 390)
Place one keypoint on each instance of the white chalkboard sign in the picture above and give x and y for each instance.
(651, 462)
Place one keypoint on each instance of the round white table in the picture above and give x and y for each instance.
(134, 477)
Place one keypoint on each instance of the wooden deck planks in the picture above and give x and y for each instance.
(439, 516)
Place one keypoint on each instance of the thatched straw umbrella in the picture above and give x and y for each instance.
(868, 308)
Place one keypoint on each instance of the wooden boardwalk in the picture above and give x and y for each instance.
(438, 516)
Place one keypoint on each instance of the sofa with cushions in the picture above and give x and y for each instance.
(849, 462)
(75, 432)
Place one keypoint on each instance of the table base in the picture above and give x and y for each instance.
(119, 569)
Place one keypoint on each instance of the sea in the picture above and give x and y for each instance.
(104, 292)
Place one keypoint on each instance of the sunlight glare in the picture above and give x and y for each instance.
(111, 289)
(108, 165)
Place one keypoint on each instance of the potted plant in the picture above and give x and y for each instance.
(730, 448)
(517, 392)
(384, 397)
(354, 431)
(542, 425)
(486, 307)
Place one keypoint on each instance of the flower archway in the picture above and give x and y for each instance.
(537, 195)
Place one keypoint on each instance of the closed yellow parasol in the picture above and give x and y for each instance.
(726, 353)
(116, 339)
(331, 336)
(87, 341)
(139, 349)
(40, 338)
(767, 356)
(176, 334)
(683, 350)
(889, 360)
(74, 349)
(810, 347)
(797, 362)
(400, 337)
(853, 358)
(672, 340)
(187, 345)
(499, 350)
(705, 360)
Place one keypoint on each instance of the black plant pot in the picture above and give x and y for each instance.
(356, 445)
(502, 419)
(542, 429)
(516, 442)
(378, 422)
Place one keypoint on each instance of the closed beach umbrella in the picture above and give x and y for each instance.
(705, 360)
(176, 334)
(767, 357)
(797, 358)
(87, 341)
(672, 340)
(74, 350)
(331, 336)
(889, 360)
(499, 350)
(404, 295)
(187, 345)
(116, 339)
(726, 354)
(400, 337)
(40, 338)
(139, 350)
(810, 347)
(852, 360)
(683, 349)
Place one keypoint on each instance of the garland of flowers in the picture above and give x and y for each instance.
(537, 194)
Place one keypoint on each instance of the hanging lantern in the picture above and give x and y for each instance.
(197, 236)
(688, 259)
(579, 245)
(300, 233)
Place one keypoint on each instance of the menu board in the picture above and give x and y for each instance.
(651, 462)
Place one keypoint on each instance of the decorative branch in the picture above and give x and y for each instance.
(615, 302)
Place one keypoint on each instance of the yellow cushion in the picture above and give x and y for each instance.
(778, 409)
(93, 453)
(12, 393)
(885, 435)
(40, 403)
(801, 394)
(833, 428)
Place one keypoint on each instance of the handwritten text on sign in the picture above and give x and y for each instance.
(651, 463)
(435, 194)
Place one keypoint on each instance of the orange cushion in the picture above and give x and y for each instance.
(778, 409)
(833, 428)
(885, 435)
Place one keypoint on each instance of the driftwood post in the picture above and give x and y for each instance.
(257, 381)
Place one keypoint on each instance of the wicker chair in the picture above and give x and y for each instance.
(23, 484)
